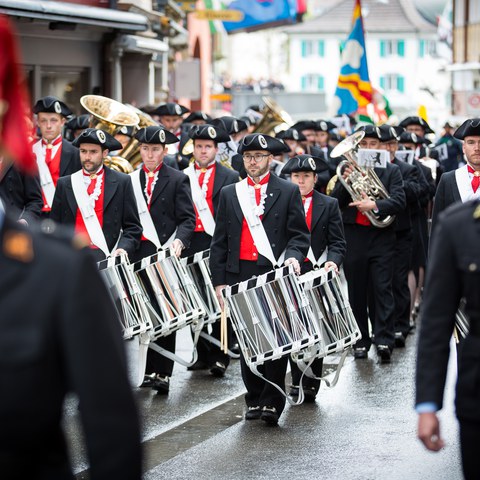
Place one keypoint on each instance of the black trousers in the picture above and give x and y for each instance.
(260, 393)
(368, 268)
(469, 435)
(317, 369)
(401, 292)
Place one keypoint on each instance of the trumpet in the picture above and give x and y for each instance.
(361, 180)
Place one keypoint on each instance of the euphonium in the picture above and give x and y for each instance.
(110, 116)
(361, 180)
(274, 120)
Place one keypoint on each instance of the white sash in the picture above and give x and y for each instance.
(255, 225)
(46, 180)
(200, 202)
(89, 216)
(149, 230)
(464, 184)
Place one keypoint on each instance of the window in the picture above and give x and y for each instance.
(392, 81)
(389, 48)
(313, 83)
(427, 48)
(312, 48)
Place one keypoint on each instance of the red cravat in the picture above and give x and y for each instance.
(203, 171)
(93, 180)
(49, 148)
(308, 214)
(150, 176)
(475, 179)
(258, 186)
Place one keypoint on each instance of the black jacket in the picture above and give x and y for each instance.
(120, 215)
(447, 194)
(21, 194)
(60, 334)
(283, 219)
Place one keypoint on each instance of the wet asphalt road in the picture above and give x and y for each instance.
(364, 428)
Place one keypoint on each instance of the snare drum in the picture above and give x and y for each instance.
(198, 268)
(172, 299)
(339, 327)
(271, 316)
(126, 295)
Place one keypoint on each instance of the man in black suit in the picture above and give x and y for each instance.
(328, 246)
(403, 233)
(56, 157)
(369, 260)
(109, 205)
(234, 256)
(453, 273)
(20, 193)
(418, 126)
(163, 194)
(462, 184)
(60, 334)
(207, 177)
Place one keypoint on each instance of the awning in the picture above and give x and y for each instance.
(136, 43)
(74, 13)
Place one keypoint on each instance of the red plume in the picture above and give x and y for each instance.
(14, 105)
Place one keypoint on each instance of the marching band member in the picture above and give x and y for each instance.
(403, 233)
(197, 118)
(369, 260)
(98, 202)
(76, 125)
(166, 195)
(234, 256)
(328, 245)
(322, 136)
(207, 177)
(418, 126)
(56, 157)
(462, 184)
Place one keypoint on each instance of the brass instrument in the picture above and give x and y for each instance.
(110, 116)
(361, 180)
(274, 120)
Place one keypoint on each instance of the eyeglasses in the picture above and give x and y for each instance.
(258, 157)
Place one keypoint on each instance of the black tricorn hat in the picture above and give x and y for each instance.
(155, 134)
(468, 128)
(128, 131)
(97, 137)
(304, 125)
(258, 141)
(410, 137)
(169, 109)
(51, 104)
(416, 120)
(79, 123)
(305, 163)
(208, 132)
(389, 132)
(291, 134)
(197, 115)
(230, 124)
(324, 126)
(371, 131)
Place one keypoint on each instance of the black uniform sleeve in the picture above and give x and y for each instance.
(297, 230)
(184, 211)
(131, 226)
(336, 243)
(219, 246)
(56, 212)
(396, 201)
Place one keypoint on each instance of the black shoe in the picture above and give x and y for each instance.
(218, 369)
(360, 352)
(235, 348)
(399, 340)
(161, 384)
(384, 353)
(198, 365)
(253, 413)
(294, 390)
(310, 394)
(269, 415)
(148, 381)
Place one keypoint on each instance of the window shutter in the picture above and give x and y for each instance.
(382, 48)
(304, 48)
(320, 83)
(421, 49)
(400, 84)
(304, 83)
(321, 48)
(382, 82)
(401, 48)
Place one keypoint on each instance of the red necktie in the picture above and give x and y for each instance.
(475, 179)
(49, 148)
(93, 182)
(258, 186)
(150, 176)
(201, 177)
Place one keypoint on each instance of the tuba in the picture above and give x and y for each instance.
(274, 120)
(360, 180)
(110, 116)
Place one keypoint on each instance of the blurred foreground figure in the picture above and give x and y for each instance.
(60, 334)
